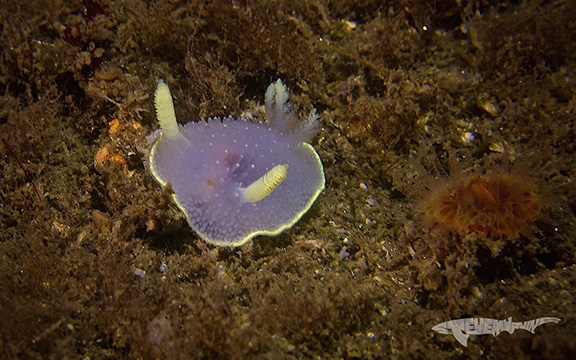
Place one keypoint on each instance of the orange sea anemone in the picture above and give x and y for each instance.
(494, 205)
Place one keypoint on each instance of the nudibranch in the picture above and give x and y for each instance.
(236, 179)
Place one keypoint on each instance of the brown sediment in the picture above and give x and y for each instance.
(104, 265)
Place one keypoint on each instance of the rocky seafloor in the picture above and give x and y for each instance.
(97, 262)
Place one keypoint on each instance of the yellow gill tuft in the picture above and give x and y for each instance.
(267, 183)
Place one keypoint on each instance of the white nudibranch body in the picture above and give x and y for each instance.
(236, 179)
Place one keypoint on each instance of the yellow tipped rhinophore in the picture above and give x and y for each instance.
(165, 111)
(267, 183)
